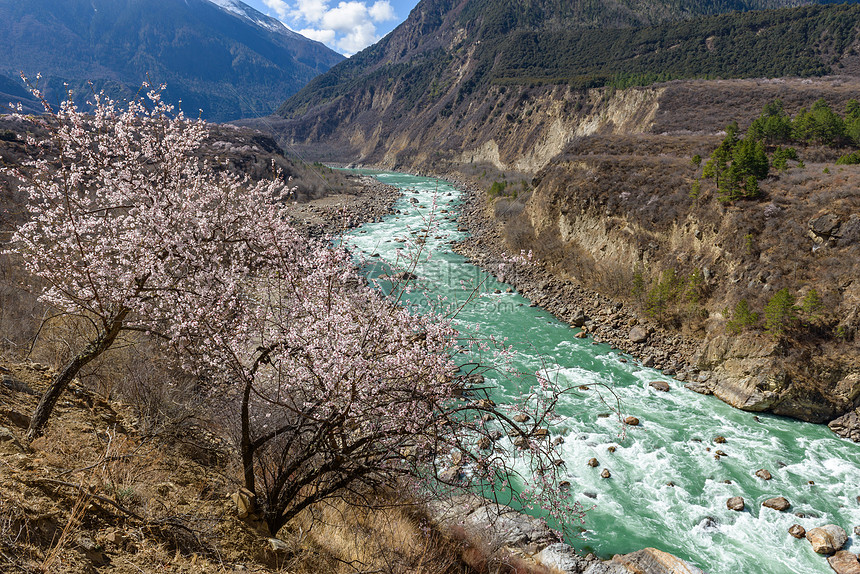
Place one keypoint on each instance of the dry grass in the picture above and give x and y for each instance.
(386, 537)
(702, 106)
(634, 193)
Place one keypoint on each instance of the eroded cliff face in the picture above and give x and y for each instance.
(614, 210)
(512, 128)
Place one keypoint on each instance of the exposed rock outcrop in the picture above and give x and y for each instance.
(848, 425)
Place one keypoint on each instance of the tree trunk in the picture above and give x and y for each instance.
(247, 446)
(70, 371)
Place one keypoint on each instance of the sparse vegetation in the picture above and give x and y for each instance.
(742, 317)
(780, 313)
(277, 330)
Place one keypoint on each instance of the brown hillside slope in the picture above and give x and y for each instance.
(615, 207)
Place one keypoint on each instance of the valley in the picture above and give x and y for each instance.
(598, 262)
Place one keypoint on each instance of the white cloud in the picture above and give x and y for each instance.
(324, 36)
(310, 11)
(358, 37)
(279, 6)
(347, 27)
(382, 11)
(347, 17)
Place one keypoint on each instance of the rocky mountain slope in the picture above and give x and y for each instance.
(573, 160)
(223, 57)
(615, 214)
(459, 79)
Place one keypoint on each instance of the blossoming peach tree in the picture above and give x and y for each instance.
(327, 384)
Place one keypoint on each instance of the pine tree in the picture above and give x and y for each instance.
(780, 313)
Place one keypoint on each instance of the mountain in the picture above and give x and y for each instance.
(458, 75)
(222, 57)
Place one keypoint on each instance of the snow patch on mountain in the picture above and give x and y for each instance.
(246, 12)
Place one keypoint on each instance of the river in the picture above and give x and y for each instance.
(667, 490)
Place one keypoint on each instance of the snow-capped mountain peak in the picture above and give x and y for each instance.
(242, 10)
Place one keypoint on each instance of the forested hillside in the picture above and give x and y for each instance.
(457, 75)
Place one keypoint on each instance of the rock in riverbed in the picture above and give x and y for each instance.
(736, 503)
(844, 562)
(778, 503)
(661, 386)
(827, 539)
(763, 474)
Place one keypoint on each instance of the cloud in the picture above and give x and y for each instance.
(309, 11)
(279, 6)
(347, 27)
(324, 36)
(382, 11)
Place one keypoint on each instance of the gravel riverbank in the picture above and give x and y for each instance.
(370, 201)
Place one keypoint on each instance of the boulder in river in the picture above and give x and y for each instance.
(763, 474)
(593, 463)
(661, 386)
(827, 539)
(778, 503)
(605, 473)
(797, 531)
(736, 503)
(632, 421)
(844, 562)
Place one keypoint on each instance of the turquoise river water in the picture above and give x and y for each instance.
(636, 508)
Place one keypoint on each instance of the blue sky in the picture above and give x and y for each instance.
(346, 26)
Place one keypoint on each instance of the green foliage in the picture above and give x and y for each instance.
(8, 136)
(719, 160)
(668, 289)
(743, 317)
(497, 189)
(775, 43)
(696, 189)
(737, 165)
(781, 156)
(748, 242)
(696, 160)
(852, 158)
(820, 124)
(638, 289)
(772, 126)
(750, 159)
(780, 313)
(812, 305)
(695, 288)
